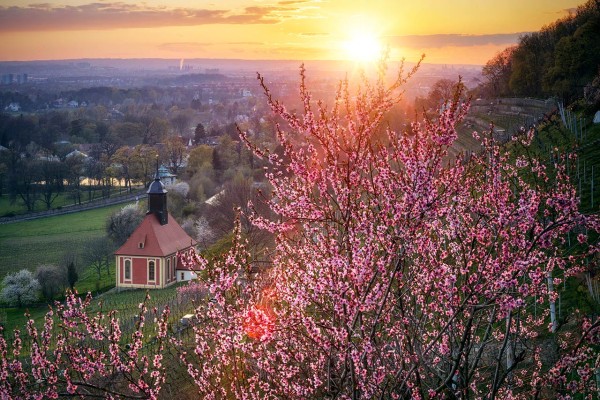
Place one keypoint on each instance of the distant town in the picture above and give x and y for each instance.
(205, 80)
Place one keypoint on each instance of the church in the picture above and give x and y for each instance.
(148, 259)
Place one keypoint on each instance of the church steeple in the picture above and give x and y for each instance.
(157, 199)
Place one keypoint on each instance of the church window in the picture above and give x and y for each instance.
(169, 268)
(127, 269)
(151, 271)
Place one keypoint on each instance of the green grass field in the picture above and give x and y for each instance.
(63, 199)
(28, 244)
(7, 207)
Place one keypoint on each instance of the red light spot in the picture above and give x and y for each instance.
(258, 324)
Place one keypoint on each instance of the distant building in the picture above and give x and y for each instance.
(10, 79)
(212, 141)
(116, 114)
(13, 107)
(241, 118)
(86, 148)
(7, 79)
(77, 154)
(166, 176)
(148, 259)
(22, 79)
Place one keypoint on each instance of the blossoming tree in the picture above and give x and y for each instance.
(399, 270)
(79, 353)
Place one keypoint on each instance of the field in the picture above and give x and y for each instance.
(28, 244)
(17, 208)
(63, 200)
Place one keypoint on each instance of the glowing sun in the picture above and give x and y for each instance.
(363, 47)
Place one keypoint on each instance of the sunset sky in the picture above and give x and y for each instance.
(457, 31)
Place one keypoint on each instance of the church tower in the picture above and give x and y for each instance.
(157, 200)
(150, 257)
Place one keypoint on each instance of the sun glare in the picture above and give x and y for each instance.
(363, 47)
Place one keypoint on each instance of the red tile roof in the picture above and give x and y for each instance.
(158, 240)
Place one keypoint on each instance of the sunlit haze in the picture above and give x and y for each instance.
(459, 32)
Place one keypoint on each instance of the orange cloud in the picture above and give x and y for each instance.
(117, 15)
(453, 40)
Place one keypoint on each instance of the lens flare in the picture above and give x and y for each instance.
(363, 47)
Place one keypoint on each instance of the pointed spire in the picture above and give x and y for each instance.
(157, 176)
(157, 198)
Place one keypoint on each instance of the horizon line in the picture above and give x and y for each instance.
(222, 59)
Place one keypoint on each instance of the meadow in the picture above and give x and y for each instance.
(8, 208)
(28, 244)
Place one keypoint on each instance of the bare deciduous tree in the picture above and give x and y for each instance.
(98, 254)
(52, 280)
(122, 223)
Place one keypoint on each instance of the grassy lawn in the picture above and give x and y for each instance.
(17, 207)
(28, 244)
(64, 199)
(8, 209)
(14, 318)
(89, 282)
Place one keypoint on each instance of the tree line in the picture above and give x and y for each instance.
(560, 60)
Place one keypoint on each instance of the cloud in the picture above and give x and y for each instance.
(455, 40)
(116, 15)
(568, 11)
(184, 46)
(291, 2)
(200, 46)
(313, 34)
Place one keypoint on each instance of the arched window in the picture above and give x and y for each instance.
(151, 271)
(128, 270)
